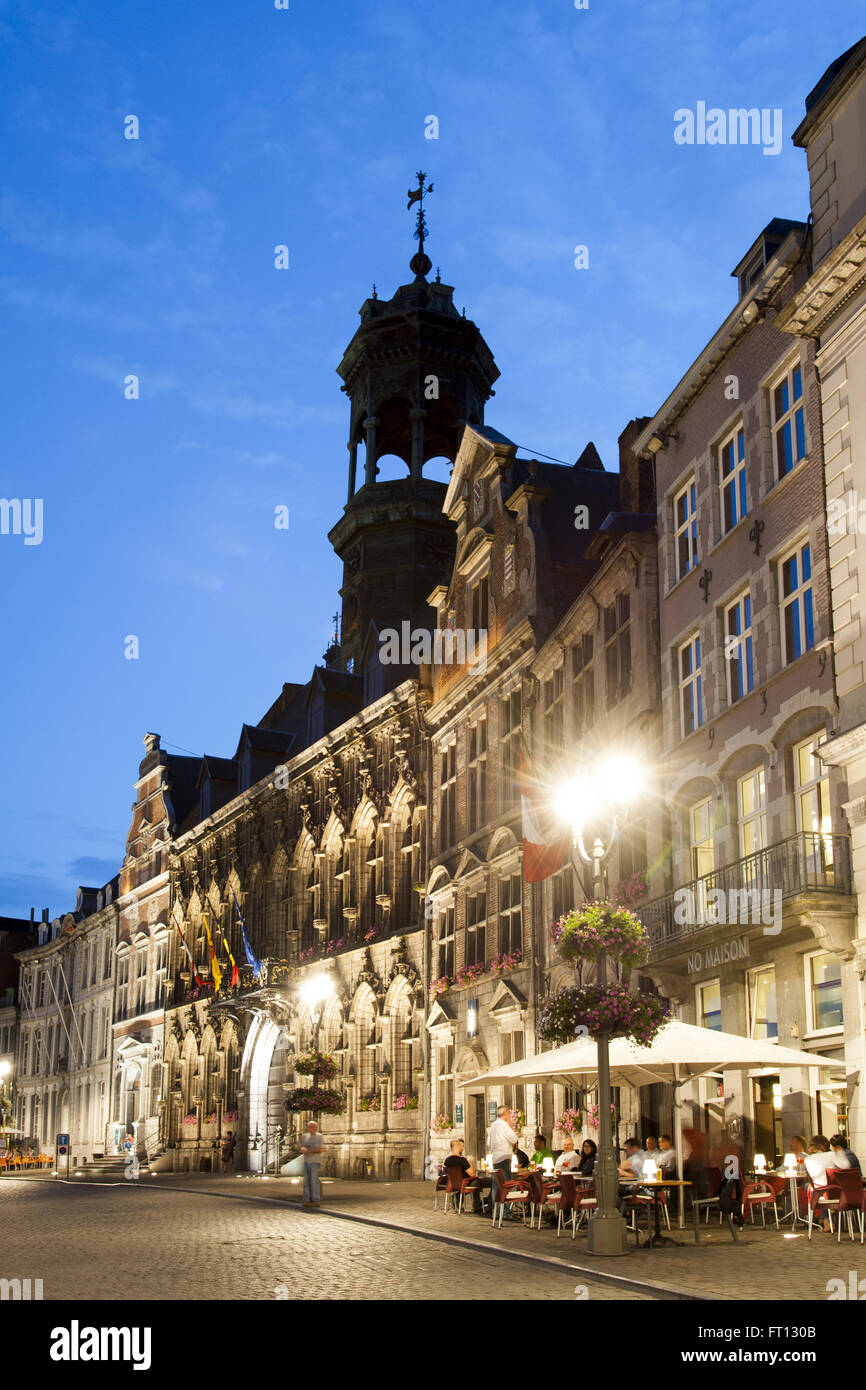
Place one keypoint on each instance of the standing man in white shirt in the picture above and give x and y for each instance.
(500, 1141)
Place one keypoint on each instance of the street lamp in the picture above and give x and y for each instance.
(601, 791)
(314, 992)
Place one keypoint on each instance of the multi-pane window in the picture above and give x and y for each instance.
(825, 991)
(445, 942)
(583, 684)
(686, 528)
(562, 892)
(617, 648)
(789, 430)
(752, 811)
(140, 978)
(476, 923)
(552, 710)
(812, 804)
(512, 1049)
(510, 741)
(447, 796)
(701, 837)
(763, 1021)
(480, 605)
(445, 1078)
(477, 775)
(510, 899)
(732, 479)
(739, 656)
(795, 588)
(709, 1001)
(123, 983)
(691, 686)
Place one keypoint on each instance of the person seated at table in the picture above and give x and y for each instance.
(522, 1159)
(666, 1158)
(798, 1148)
(569, 1159)
(588, 1151)
(541, 1150)
(651, 1147)
(632, 1164)
(458, 1167)
(819, 1158)
(839, 1145)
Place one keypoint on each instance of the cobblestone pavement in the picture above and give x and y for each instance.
(765, 1264)
(89, 1242)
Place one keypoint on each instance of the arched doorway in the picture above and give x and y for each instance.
(264, 1067)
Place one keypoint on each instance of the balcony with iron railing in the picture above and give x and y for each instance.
(744, 893)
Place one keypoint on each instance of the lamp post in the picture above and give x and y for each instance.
(5, 1101)
(607, 791)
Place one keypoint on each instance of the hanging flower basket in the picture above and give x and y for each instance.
(370, 1103)
(440, 986)
(230, 1114)
(189, 1118)
(602, 926)
(316, 1099)
(313, 1063)
(442, 1124)
(569, 1122)
(631, 890)
(616, 1010)
(517, 1120)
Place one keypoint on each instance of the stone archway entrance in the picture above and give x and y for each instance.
(264, 1071)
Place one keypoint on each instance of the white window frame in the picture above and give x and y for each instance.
(798, 595)
(758, 816)
(742, 652)
(735, 440)
(688, 528)
(693, 681)
(811, 1030)
(778, 423)
(751, 976)
(699, 1010)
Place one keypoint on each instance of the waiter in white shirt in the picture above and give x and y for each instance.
(500, 1143)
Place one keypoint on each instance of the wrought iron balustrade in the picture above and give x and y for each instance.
(744, 892)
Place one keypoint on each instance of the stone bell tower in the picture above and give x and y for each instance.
(415, 373)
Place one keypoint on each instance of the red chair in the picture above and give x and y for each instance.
(515, 1194)
(441, 1184)
(823, 1199)
(851, 1198)
(453, 1190)
(759, 1194)
(564, 1199)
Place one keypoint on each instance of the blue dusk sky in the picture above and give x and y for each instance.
(155, 257)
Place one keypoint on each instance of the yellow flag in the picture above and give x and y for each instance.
(214, 963)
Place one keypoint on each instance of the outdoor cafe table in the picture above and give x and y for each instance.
(655, 1187)
(792, 1179)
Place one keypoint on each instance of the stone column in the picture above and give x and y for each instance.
(417, 416)
(353, 466)
(370, 470)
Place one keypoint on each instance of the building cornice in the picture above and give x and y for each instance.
(747, 312)
(840, 276)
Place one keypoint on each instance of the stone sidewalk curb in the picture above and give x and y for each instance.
(658, 1291)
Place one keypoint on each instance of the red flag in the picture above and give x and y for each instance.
(544, 844)
(199, 981)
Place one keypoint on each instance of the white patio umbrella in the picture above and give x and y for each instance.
(679, 1053)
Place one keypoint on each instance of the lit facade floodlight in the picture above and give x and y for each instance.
(5, 1068)
(316, 989)
(620, 778)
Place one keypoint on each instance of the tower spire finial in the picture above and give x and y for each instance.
(420, 262)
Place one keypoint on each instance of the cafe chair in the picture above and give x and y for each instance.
(512, 1195)
(564, 1200)
(823, 1199)
(545, 1193)
(851, 1198)
(759, 1194)
(453, 1192)
(586, 1202)
(441, 1185)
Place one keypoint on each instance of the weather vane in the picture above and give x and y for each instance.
(417, 195)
